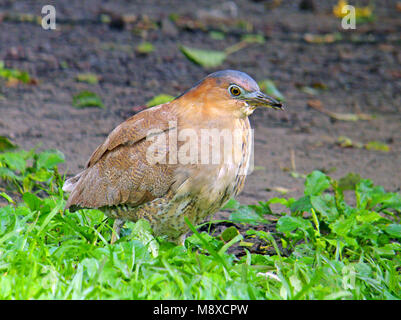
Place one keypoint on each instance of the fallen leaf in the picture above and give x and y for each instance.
(217, 35)
(14, 76)
(90, 78)
(258, 168)
(205, 58)
(346, 142)
(12, 83)
(297, 175)
(268, 87)
(229, 233)
(312, 89)
(319, 86)
(325, 38)
(145, 48)
(281, 190)
(253, 38)
(360, 12)
(159, 99)
(377, 146)
(309, 90)
(87, 99)
(317, 105)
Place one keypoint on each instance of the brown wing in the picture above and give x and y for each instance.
(118, 171)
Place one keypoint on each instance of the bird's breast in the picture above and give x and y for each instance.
(220, 161)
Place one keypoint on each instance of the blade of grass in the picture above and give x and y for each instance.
(224, 248)
(50, 216)
(206, 244)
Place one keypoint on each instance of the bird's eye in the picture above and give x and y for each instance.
(235, 91)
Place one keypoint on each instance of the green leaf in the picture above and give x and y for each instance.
(309, 90)
(14, 74)
(394, 230)
(316, 182)
(262, 208)
(7, 197)
(268, 87)
(6, 144)
(41, 175)
(90, 78)
(301, 205)
(217, 35)
(91, 267)
(368, 195)
(87, 99)
(245, 214)
(231, 204)
(142, 231)
(325, 205)
(205, 58)
(50, 159)
(349, 181)
(343, 226)
(229, 233)
(386, 250)
(32, 201)
(377, 146)
(391, 201)
(288, 224)
(253, 38)
(14, 161)
(159, 99)
(145, 48)
(285, 202)
(366, 216)
(7, 173)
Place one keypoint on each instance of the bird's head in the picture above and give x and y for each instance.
(228, 91)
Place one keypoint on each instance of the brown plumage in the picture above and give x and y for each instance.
(153, 165)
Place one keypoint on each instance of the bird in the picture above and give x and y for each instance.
(168, 163)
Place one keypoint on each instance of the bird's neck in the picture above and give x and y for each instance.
(221, 112)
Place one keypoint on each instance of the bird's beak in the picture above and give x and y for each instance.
(259, 99)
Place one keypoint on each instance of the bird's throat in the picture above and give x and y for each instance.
(246, 110)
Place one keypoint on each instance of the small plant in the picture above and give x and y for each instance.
(29, 170)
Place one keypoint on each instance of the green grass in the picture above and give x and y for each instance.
(334, 250)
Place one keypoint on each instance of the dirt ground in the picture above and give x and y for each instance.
(360, 74)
